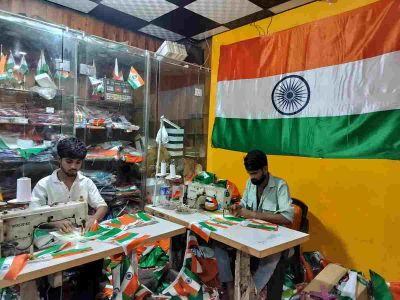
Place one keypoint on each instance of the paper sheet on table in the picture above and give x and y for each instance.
(73, 236)
(240, 233)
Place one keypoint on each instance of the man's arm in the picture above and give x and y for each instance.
(273, 218)
(283, 216)
(96, 201)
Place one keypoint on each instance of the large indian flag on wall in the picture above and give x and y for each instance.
(330, 88)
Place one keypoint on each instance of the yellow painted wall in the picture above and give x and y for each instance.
(354, 204)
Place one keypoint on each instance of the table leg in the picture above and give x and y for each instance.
(237, 275)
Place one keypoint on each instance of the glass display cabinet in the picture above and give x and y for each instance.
(57, 82)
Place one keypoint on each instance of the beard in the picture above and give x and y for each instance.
(259, 181)
(69, 173)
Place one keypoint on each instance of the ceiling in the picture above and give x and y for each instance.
(178, 20)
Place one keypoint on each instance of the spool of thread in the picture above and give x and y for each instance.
(172, 171)
(24, 189)
(163, 168)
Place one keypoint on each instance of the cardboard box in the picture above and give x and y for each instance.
(329, 277)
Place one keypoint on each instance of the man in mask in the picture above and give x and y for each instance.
(267, 198)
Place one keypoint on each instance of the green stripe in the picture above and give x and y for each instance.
(143, 216)
(49, 250)
(371, 135)
(235, 219)
(111, 233)
(2, 259)
(116, 221)
(223, 223)
(128, 237)
(72, 251)
(93, 233)
(202, 224)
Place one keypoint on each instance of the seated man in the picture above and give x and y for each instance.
(266, 198)
(68, 184)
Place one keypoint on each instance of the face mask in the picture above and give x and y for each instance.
(258, 181)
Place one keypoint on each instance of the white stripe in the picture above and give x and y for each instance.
(175, 153)
(175, 131)
(175, 138)
(174, 146)
(363, 86)
(5, 267)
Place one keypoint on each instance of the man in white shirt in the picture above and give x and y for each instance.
(68, 184)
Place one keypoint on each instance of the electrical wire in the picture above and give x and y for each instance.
(270, 22)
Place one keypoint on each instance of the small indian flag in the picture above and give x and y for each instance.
(134, 79)
(10, 63)
(129, 243)
(202, 229)
(117, 75)
(42, 66)
(11, 266)
(23, 68)
(192, 262)
(130, 284)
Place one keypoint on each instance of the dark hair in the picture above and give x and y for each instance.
(71, 148)
(255, 160)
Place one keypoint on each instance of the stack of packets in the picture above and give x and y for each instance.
(204, 228)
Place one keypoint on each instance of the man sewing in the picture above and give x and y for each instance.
(68, 184)
(265, 198)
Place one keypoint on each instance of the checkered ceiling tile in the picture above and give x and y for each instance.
(80, 5)
(147, 10)
(223, 11)
(161, 33)
(178, 20)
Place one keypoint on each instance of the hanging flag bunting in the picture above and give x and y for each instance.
(23, 68)
(11, 266)
(330, 92)
(51, 250)
(134, 79)
(42, 66)
(10, 63)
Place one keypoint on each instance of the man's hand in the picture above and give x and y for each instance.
(89, 223)
(64, 226)
(235, 208)
(246, 213)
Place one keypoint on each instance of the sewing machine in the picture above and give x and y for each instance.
(197, 192)
(17, 225)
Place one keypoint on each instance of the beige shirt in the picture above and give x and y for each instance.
(274, 199)
(50, 190)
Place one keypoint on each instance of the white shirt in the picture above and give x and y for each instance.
(50, 190)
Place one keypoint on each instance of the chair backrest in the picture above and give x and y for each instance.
(300, 221)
